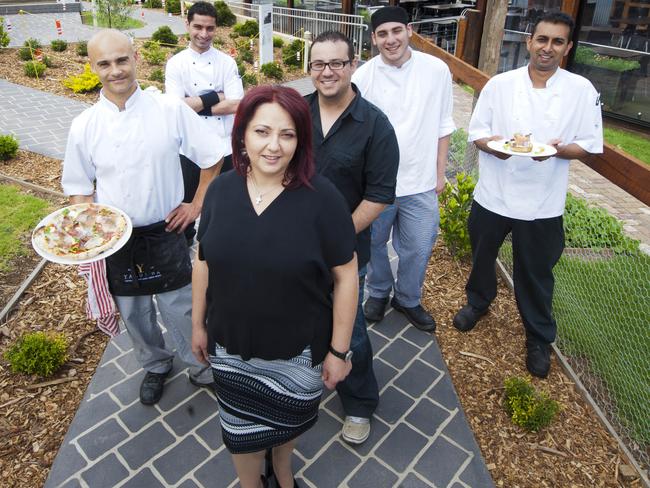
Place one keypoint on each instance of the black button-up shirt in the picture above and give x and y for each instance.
(359, 155)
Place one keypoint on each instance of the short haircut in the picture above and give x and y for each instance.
(202, 8)
(334, 36)
(301, 167)
(555, 17)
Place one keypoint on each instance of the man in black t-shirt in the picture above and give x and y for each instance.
(356, 148)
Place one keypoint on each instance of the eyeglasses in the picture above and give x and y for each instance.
(334, 65)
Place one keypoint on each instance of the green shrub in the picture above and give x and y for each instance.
(587, 56)
(82, 48)
(278, 41)
(233, 35)
(218, 41)
(4, 35)
(526, 407)
(165, 36)
(173, 6)
(26, 53)
(153, 3)
(47, 61)
(455, 204)
(157, 75)
(34, 69)
(38, 353)
(241, 68)
(225, 17)
(245, 54)
(8, 147)
(273, 70)
(154, 55)
(250, 28)
(292, 54)
(593, 227)
(59, 45)
(84, 82)
(249, 79)
(33, 43)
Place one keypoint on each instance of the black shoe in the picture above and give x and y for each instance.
(375, 308)
(151, 388)
(467, 317)
(210, 386)
(538, 358)
(418, 316)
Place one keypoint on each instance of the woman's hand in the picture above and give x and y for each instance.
(200, 344)
(334, 369)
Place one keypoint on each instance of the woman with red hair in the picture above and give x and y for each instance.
(274, 285)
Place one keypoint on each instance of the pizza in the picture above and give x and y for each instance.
(80, 232)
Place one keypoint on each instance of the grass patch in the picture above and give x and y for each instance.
(129, 23)
(19, 213)
(630, 142)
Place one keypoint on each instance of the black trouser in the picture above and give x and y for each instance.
(536, 247)
(191, 177)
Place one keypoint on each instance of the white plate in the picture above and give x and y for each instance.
(539, 150)
(66, 260)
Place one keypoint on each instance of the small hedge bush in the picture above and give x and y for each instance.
(82, 48)
(249, 79)
(38, 353)
(59, 45)
(34, 69)
(250, 28)
(8, 147)
(154, 55)
(278, 41)
(153, 3)
(455, 205)
(526, 407)
(273, 70)
(157, 75)
(290, 56)
(165, 36)
(245, 54)
(4, 35)
(33, 43)
(218, 41)
(173, 6)
(225, 17)
(84, 82)
(26, 54)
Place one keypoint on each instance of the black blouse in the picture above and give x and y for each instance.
(269, 281)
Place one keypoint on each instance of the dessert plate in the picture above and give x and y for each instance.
(539, 150)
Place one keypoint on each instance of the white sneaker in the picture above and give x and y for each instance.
(355, 430)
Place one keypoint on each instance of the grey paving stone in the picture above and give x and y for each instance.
(315, 438)
(188, 484)
(110, 352)
(145, 445)
(128, 391)
(143, 479)
(105, 377)
(417, 378)
(128, 363)
(372, 475)
(100, 407)
(443, 393)
(440, 462)
(210, 433)
(376, 341)
(399, 353)
(392, 405)
(432, 356)
(106, 473)
(137, 416)
(68, 461)
(73, 483)
(191, 413)
(477, 474)
(101, 439)
(383, 372)
(378, 430)
(427, 417)
(180, 460)
(412, 481)
(176, 392)
(331, 467)
(391, 325)
(335, 407)
(458, 430)
(416, 336)
(218, 472)
(400, 447)
(123, 341)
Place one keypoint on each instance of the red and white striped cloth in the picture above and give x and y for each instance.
(100, 304)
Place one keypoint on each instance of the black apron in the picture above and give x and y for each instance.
(152, 261)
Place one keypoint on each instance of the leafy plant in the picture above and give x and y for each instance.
(249, 79)
(292, 53)
(85, 82)
(250, 28)
(59, 45)
(591, 227)
(455, 205)
(225, 17)
(34, 69)
(82, 48)
(38, 353)
(47, 61)
(218, 41)
(8, 147)
(157, 75)
(26, 53)
(165, 36)
(33, 43)
(173, 6)
(245, 54)
(278, 41)
(273, 70)
(153, 3)
(241, 68)
(154, 55)
(526, 407)
(113, 13)
(4, 35)
(589, 57)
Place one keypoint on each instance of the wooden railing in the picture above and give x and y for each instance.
(622, 169)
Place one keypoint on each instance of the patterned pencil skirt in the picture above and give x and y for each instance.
(265, 403)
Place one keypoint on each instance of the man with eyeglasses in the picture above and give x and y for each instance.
(356, 148)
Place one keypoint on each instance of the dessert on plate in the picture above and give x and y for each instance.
(520, 143)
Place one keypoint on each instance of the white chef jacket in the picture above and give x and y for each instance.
(417, 99)
(567, 109)
(191, 74)
(132, 155)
